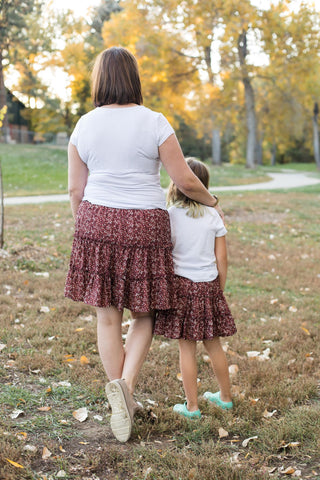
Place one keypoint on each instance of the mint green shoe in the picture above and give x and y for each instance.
(181, 408)
(215, 398)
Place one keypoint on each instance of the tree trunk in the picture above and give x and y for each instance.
(1, 209)
(3, 102)
(249, 101)
(216, 147)
(316, 135)
(259, 150)
(273, 154)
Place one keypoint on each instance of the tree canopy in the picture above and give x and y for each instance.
(242, 78)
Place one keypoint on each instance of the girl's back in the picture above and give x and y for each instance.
(194, 243)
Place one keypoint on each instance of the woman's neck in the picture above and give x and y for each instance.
(116, 105)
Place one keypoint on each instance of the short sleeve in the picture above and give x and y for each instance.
(221, 229)
(164, 129)
(75, 134)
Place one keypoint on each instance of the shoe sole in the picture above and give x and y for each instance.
(121, 422)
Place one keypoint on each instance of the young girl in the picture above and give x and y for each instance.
(201, 311)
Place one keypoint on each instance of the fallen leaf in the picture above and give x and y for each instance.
(2, 346)
(179, 376)
(289, 445)
(16, 413)
(81, 414)
(273, 301)
(44, 309)
(70, 359)
(63, 383)
(42, 274)
(30, 448)
(253, 354)
(223, 433)
(247, 440)
(151, 402)
(272, 470)
(293, 309)
(88, 318)
(233, 369)
(267, 414)
(62, 449)
(288, 471)
(15, 464)
(265, 355)
(61, 474)
(84, 360)
(192, 474)
(253, 401)
(234, 458)
(146, 472)
(44, 409)
(22, 435)
(46, 453)
(305, 330)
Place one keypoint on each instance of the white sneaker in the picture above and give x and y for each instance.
(122, 411)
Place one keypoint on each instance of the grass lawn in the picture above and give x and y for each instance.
(38, 169)
(50, 365)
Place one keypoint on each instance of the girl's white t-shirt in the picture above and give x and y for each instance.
(193, 243)
(119, 145)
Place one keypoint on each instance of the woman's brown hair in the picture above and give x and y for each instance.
(179, 199)
(115, 78)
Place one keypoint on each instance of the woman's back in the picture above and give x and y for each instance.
(120, 148)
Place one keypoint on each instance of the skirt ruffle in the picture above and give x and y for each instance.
(121, 258)
(201, 312)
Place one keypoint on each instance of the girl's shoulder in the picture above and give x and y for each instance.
(211, 211)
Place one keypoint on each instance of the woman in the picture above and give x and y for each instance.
(122, 252)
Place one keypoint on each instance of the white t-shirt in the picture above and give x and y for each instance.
(193, 243)
(119, 145)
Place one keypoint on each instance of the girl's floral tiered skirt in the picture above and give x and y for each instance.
(201, 312)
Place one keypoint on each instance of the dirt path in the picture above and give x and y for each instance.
(279, 181)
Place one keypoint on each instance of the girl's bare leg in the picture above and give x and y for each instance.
(220, 367)
(109, 331)
(137, 346)
(188, 367)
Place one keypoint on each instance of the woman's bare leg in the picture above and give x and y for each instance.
(110, 345)
(220, 367)
(188, 367)
(137, 346)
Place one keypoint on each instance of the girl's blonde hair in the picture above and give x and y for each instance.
(179, 199)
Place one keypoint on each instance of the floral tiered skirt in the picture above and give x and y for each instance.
(121, 258)
(201, 312)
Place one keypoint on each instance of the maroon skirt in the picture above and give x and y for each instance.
(201, 312)
(121, 258)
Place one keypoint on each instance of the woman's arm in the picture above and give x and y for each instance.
(173, 161)
(77, 178)
(220, 251)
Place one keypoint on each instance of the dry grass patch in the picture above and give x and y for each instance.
(50, 365)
